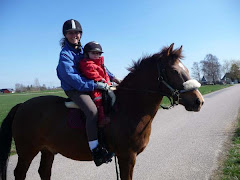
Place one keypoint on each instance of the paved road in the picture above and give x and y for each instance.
(183, 145)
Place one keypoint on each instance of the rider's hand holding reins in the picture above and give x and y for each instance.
(102, 86)
(114, 84)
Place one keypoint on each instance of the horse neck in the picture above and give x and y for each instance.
(134, 95)
(139, 103)
(136, 108)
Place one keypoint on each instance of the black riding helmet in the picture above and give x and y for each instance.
(92, 46)
(71, 25)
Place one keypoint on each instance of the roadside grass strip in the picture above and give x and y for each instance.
(211, 88)
(231, 166)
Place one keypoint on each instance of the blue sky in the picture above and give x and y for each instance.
(128, 29)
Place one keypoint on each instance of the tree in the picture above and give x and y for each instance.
(19, 87)
(226, 66)
(43, 87)
(211, 68)
(234, 73)
(196, 72)
(36, 83)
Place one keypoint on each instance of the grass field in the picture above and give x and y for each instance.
(7, 101)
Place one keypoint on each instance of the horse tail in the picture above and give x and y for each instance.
(6, 141)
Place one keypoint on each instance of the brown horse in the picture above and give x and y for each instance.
(40, 124)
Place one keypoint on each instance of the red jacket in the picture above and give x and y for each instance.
(94, 69)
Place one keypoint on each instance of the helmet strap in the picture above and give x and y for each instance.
(75, 46)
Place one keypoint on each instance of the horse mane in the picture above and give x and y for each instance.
(175, 54)
(144, 61)
(136, 65)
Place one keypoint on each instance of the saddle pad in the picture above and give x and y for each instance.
(76, 119)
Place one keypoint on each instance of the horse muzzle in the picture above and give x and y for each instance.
(192, 101)
(196, 106)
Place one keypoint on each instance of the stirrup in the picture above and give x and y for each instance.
(101, 155)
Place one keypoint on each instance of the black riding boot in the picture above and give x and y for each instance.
(101, 155)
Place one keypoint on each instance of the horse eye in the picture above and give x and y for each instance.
(175, 71)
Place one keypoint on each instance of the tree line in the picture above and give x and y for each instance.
(211, 69)
(29, 88)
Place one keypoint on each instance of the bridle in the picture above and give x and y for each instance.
(173, 97)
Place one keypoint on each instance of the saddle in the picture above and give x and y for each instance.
(77, 119)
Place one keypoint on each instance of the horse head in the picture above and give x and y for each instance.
(176, 81)
(163, 74)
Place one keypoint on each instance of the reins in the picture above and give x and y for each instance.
(152, 92)
(116, 166)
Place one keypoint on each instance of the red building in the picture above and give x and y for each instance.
(6, 90)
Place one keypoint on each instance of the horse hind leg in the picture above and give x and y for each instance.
(45, 167)
(24, 161)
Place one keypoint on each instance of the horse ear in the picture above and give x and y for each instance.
(179, 51)
(170, 49)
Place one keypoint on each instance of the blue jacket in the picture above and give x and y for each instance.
(68, 70)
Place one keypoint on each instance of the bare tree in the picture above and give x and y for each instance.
(226, 66)
(36, 84)
(211, 68)
(43, 87)
(19, 87)
(35, 87)
(196, 72)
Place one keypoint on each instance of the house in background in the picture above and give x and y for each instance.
(6, 91)
(204, 81)
(227, 79)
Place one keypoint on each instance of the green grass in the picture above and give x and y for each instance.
(7, 101)
(231, 167)
(211, 88)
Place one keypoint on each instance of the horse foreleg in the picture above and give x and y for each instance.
(126, 165)
(45, 167)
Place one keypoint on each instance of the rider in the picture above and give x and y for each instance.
(92, 66)
(78, 88)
